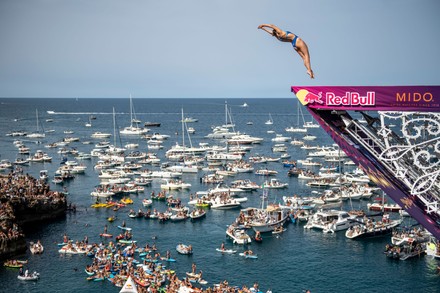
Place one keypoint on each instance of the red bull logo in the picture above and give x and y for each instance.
(351, 99)
(307, 97)
(311, 98)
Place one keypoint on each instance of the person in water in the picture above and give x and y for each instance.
(298, 44)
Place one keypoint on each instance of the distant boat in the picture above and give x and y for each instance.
(36, 134)
(250, 123)
(189, 119)
(270, 121)
(244, 105)
(152, 124)
(310, 124)
(89, 124)
(133, 130)
(297, 127)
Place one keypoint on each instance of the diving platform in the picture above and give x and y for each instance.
(392, 133)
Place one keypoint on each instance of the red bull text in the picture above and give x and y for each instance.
(351, 99)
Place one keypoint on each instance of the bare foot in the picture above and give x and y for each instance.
(311, 74)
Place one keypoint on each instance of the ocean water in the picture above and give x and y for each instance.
(296, 260)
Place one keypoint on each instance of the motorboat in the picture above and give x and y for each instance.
(197, 214)
(331, 221)
(265, 219)
(310, 124)
(279, 148)
(238, 236)
(406, 250)
(189, 120)
(227, 204)
(266, 172)
(280, 138)
(275, 184)
(174, 185)
(152, 124)
(309, 137)
(309, 162)
(400, 236)
(380, 205)
(369, 228)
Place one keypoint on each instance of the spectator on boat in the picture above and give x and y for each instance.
(248, 252)
(193, 268)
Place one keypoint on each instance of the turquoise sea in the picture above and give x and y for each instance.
(296, 260)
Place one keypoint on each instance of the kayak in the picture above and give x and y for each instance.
(230, 251)
(248, 255)
(99, 205)
(127, 241)
(106, 235)
(124, 228)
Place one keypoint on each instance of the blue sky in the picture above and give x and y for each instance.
(212, 49)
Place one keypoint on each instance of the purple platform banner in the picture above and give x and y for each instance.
(370, 98)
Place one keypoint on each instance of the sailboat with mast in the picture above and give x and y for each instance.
(113, 150)
(270, 121)
(36, 134)
(297, 128)
(178, 152)
(226, 130)
(133, 129)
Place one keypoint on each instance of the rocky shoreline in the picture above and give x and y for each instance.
(25, 201)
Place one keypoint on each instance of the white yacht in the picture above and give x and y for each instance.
(331, 221)
(174, 185)
(238, 236)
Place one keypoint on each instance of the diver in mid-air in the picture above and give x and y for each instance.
(298, 44)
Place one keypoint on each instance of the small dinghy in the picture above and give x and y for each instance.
(33, 277)
(184, 249)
